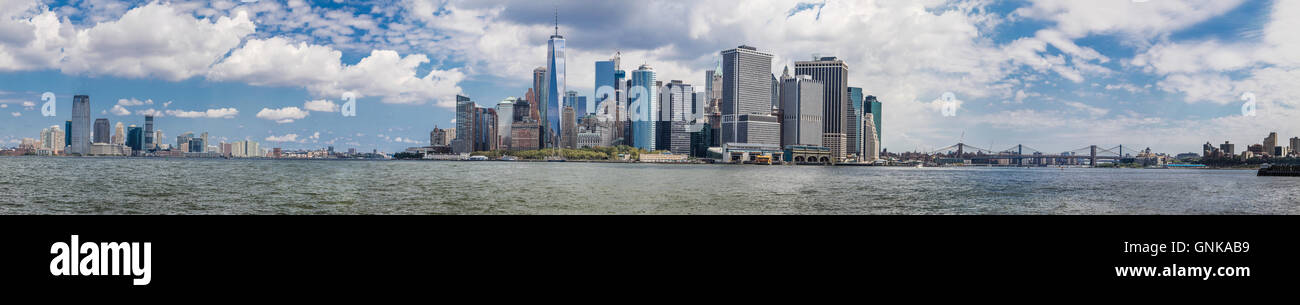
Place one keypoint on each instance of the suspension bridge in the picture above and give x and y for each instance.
(1024, 155)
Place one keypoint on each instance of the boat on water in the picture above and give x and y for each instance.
(555, 159)
(478, 158)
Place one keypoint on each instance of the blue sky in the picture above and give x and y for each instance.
(1052, 75)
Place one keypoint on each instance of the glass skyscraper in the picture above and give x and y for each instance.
(643, 107)
(873, 105)
(135, 138)
(555, 88)
(856, 113)
(80, 131)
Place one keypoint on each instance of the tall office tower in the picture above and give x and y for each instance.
(101, 131)
(1295, 145)
(677, 99)
(135, 138)
(464, 142)
(485, 129)
(579, 103)
(870, 144)
(607, 75)
(555, 87)
(203, 147)
(833, 73)
(747, 98)
(505, 115)
(157, 136)
(521, 110)
(569, 127)
(67, 135)
(183, 142)
(438, 137)
(872, 106)
(119, 134)
(1228, 149)
(1269, 143)
(80, 143)
(538, 98)
(855, 114)
(801, 110)
(643, 107)
(150, 142)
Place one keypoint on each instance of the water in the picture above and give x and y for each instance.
(45, 185)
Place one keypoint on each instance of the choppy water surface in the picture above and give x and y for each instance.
(44, 185)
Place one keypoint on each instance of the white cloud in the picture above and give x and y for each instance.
(220, 113)
(149, 112)
(16, 114)
(29, 104)
(321, 106)
(133, 102)
(1138, 20)
(384, 73)
(281, 139)
(282, 115)
(155, 40)
(4, 105)
(168, 103)
(1091, 110)
(315, 135)
(118, 110)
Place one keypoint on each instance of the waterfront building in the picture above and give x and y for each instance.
(465, 112)
(485, 129)
(746, 105)
(643, 108)
(537, 98)
(525, 135)
(1295, 145)
(589, 140)
(870, 144)
(680, 141)
(505, 118)
(555, 88)
(80, 140)
(801, 111)
(53, 139)
(183, 141)
(1227, 149)
(833, 73)
(67, 135)
(100, 131)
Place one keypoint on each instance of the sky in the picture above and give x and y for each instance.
(1053, 75)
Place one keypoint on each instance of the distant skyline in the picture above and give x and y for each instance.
(1054, 75)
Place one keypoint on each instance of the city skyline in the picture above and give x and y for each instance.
(1030, 73)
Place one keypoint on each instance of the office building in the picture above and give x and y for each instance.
(53, 139)
(67, 135)
(854, 125)
(801, 110)
(555, 88)
(747, 98)
(505, 116)
(1227, 149)
(643, 108)
(150, 141)
(135, 138)
(101, 131)
(833, 73)
(872, 105)
(485, 129)
(464, 142)
(569, 140)
(524, 135)
(1295, 145)
(80, 143)
(438, 137)
(870, 145)
(1270, 144)
(119, 134)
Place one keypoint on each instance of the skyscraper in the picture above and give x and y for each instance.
(570, 138)
(485, 129)
(747, 98)
(855, 128)
(464, 141)
(505, 117)
(555, 86)
(606, 76)
(871, 144)
(119, 134)
(872, 105)
(833, 73)
(135, 138)
(53, 138)
(1295, 145)
(67, 135)
(537, 95)
(101, 131)
(643, 107)
(80, 125)
(150, 141)
(801, 110)
(1269, 143)
(677, 100)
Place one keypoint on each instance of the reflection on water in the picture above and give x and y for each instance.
(44, 185)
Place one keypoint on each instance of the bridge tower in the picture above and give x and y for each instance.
(1093, 156)
(1020, 155)
(1121, 151)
